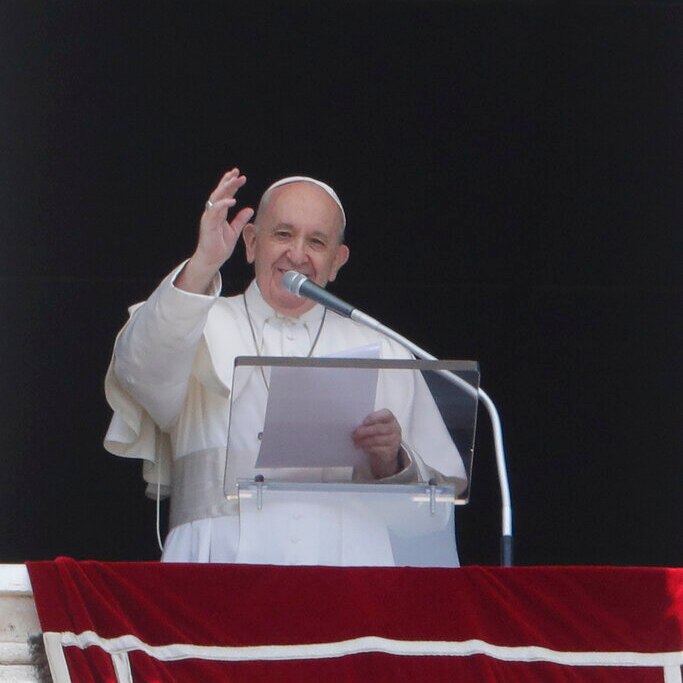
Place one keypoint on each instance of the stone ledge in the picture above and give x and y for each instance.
(14, 580)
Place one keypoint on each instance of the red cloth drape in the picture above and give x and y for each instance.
(468, 624)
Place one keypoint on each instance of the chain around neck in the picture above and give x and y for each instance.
(256, 345)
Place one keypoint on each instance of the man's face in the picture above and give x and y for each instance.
(298, 229)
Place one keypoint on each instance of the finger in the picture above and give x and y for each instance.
(377, 439)
(226, 176)
(226, 191)
(389, 448)
(232, 173)
(379, 416)
(220, 207)
(368, 431)
(383, 421)
(231, 185)
(380, 437)
(241, 219)
(228, 185)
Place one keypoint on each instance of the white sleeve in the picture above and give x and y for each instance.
(155, 351)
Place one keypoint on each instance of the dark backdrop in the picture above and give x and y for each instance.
(513, 182)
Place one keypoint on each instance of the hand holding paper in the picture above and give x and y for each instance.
(379, 436)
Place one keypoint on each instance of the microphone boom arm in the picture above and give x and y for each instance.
(299, 284)
(506, 541)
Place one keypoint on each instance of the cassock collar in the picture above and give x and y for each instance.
(260, 312)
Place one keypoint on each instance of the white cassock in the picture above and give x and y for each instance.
(169, 385)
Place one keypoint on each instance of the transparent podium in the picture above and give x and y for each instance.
(307, 495)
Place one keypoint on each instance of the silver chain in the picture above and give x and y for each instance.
(256, 346)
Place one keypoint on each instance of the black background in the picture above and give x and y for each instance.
(512, 177)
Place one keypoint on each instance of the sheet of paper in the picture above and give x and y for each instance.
(312, 412)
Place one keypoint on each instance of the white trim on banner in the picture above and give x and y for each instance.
(672, 674)
(669, 661)
(55, 657)
(122, 667)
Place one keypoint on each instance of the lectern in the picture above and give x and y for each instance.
(305, 495)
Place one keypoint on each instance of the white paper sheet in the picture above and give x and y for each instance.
(312, 412)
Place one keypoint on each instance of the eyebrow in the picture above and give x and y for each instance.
(289, 226)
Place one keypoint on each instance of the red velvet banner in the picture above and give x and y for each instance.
(178, 622)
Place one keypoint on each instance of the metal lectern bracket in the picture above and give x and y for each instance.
(432, 497)
(259, 479)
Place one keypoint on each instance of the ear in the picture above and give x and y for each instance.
(340, 258)
(249, 237)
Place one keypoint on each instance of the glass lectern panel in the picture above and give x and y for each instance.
(291, 451)
(292, 419)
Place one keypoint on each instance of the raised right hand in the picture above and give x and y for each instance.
(217, 235)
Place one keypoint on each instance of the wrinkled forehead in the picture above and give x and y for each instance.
(304, 179)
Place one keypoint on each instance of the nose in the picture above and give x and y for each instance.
(297, 252)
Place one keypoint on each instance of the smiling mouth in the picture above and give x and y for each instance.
(282, 271)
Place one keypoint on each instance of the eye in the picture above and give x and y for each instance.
(317, 243)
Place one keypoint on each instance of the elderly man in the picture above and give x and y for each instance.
(170, 378)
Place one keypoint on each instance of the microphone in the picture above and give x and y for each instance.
(299, 284)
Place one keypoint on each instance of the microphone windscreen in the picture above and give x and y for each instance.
(292, 281)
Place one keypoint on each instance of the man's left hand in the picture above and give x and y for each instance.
(380, 437)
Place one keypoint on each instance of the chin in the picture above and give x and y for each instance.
(292, 303)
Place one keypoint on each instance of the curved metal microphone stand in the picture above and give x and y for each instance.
(506, 543)
(299, 284)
